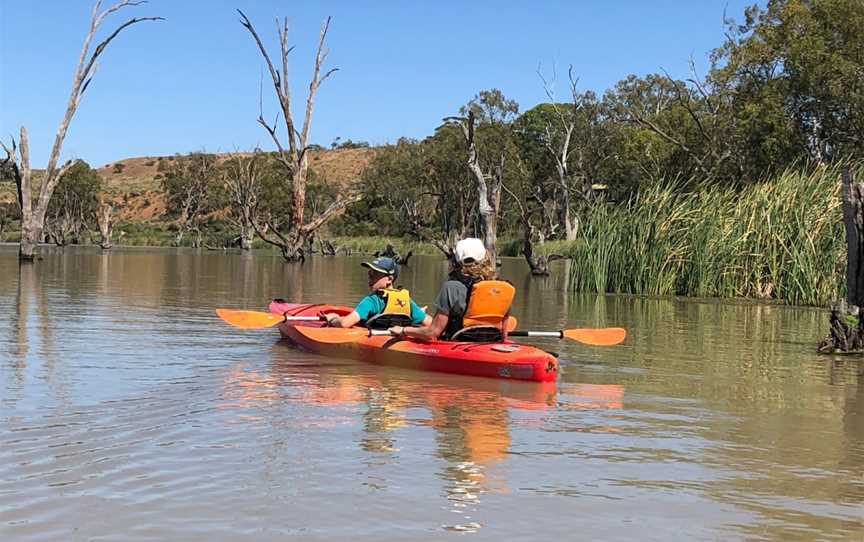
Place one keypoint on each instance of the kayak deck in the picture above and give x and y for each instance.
(507, 359)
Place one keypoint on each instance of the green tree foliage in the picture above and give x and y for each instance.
(9, 215)
(796, 67)
(191, 189)
(424, 188)
(73, 205)
(491, 107)
(684, 162)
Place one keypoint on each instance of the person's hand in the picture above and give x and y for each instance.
(332, 319)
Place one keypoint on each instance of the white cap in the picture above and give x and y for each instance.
(469, 249)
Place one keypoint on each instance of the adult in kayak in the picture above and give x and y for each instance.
(471, 305)
(387, 305)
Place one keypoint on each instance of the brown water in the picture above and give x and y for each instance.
(129, 412)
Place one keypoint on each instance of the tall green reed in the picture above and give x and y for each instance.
(780, 239)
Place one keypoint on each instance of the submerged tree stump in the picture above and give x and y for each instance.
(403, 260)
(847, 331)
(390, 252)
(327, 248)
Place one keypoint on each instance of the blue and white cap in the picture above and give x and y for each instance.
(383, 265)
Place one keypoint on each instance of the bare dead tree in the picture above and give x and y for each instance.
(295, 158)
(18, 153)
(390, 252)
(562, 150)
(414, 211)
(547, 211)
(242, 178)
(65, 226)
(538, 263)
(105, 220)
(488, 184)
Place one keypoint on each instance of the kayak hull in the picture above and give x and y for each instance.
(507, 360)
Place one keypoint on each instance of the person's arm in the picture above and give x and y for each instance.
(419, 317)
(426, 333)
(334, 320)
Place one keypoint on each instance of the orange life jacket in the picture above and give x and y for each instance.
(488, 303)
(488, 307)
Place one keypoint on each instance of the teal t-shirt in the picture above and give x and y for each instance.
(373, 305)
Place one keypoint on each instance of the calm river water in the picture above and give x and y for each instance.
(128, 411)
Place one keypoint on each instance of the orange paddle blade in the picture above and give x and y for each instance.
(249, 319)
(336, 335)
(606, 336)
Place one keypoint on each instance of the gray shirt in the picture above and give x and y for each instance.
(452, 299)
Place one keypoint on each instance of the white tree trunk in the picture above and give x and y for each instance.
(33, 217)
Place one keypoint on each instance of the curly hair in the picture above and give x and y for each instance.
(482, 270)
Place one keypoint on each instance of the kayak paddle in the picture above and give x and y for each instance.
(256, 319)
(593, 336)
(604, 336)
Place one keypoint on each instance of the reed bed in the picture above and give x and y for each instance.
(782, 239)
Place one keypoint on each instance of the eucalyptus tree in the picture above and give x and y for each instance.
(797, 67)
(190, 185)
(407, 192)
(73, 206)
(491, 155)
(18, 152)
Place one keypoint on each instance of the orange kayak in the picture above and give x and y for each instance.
(506, 359)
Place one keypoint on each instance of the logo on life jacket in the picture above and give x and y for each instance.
(488, 303)
(396, 301)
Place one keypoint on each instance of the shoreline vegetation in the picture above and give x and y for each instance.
(779, 240)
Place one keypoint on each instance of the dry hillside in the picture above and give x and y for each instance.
(135, 190)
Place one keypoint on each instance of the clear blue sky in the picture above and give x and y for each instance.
(191, 82)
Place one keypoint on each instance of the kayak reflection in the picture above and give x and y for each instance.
(472, 419)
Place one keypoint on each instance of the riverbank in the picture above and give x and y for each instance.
(779, 240)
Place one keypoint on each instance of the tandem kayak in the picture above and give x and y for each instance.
(508, 359)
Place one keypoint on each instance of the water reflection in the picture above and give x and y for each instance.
(124, 402)
(471, 418)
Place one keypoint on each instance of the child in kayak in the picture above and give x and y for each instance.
(471, 305)
(386, 306)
